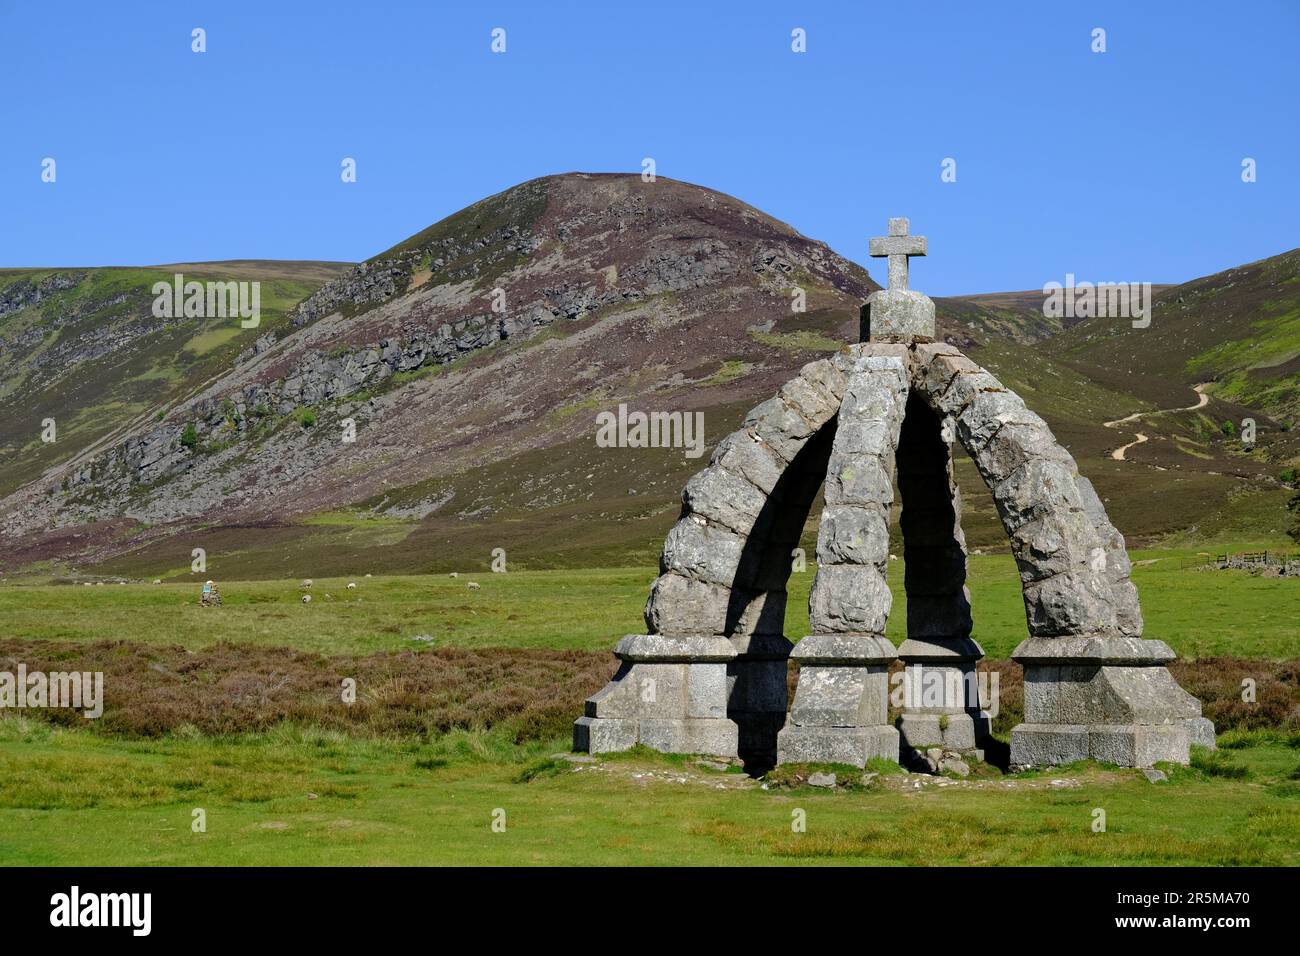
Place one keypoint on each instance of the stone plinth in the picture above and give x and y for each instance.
(1107, 698)
(898, 315)
(941, 706)
(670, 694)
(841, 704)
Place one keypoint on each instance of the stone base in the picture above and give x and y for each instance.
(841, 703)
(716, 737)
(1132, 745)
(602, 735)
(849, 745)
(963, 732)
(1106, 698)
(670, 694)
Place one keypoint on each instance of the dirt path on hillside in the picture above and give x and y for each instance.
(1118, 453)
(1201, 401)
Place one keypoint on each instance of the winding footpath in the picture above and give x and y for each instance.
(1118, 453)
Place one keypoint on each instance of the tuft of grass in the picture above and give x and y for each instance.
(1214, 763)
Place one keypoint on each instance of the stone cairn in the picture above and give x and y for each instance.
(710, 676)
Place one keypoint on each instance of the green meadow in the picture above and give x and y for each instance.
(1200, 613)
(292, 792)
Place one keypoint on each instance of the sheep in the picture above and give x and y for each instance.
(306, 599)
(352, 585)
(306, 582)
(473, 585)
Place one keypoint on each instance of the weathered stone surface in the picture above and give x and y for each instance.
(1046, 745)
(687, 649)
(826, 375)
(1115, 690)
(1128, 612)
(724, 498)
(850, 599)
(783, 429)
(1039, 488)
(598, 736)
(1057, 543)
(1200, 732)
(1138, 745)
(859, 480)
(1095, 649)
(745, 454)
(706, 690)
(955, 766)
(811, 402)
(848, 649)
(682, 605)
(696, 549)
(642, 690)
(868, 437)
(899, 315)
(757, 612)
(956, 731)
(852, 534)
(939, 364)
(833, 695)
(718, 738)
(964, 390)
(1007, 447)
(850, 745)
(1070, 603)
(669, 693)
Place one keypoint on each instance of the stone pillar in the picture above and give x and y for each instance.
(841, 704)
(941, 706)
(670, 694)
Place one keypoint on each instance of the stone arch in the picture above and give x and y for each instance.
(1074, 568)
(725, 563)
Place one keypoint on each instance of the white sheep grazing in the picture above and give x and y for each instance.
(306, 599)
(453, 575)
(352, 585)
(306, 582)
(473, 585)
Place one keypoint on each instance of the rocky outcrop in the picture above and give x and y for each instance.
(25, 293)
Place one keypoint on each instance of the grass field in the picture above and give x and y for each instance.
(449, 731)
(1199, 613)
(291, 797)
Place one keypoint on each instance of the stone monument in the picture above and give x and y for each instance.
(709, 677)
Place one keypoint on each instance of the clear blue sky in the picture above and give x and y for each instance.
(1120, 166)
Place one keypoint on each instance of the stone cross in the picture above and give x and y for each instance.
(898, 247)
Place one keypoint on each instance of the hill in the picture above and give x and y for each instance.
(471, 360)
